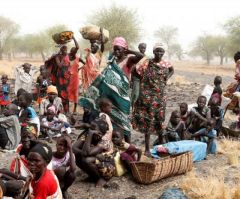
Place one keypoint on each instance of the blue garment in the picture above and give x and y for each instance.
(5, 89)
(199, 149)
(31, 112)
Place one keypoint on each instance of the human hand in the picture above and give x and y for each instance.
(69, 142)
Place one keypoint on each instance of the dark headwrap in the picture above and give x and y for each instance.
(44, 150)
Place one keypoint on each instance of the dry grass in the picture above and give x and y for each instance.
(178, 79)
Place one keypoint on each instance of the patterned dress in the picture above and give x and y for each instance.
(149, 110)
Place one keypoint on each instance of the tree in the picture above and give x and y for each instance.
(177, 50)
(8, 29)
(221, 47)
(167, 35)
(205, 47)
(119, 21)
(232, 27)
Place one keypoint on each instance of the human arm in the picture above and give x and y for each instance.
(171, 72)
(10, 175)
(133, 59)
(77, 147)
(72, 163)
(101, 40)
(24, 116)
(139, 153)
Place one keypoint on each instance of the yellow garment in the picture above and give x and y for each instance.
(120, 168)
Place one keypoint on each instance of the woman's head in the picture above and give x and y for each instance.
(4, 79)
(63, 50)
(119, 47)
(52, 93)
(158, 51)
(105, 105)
(25, 99)
(94, 46)
(28, 134)
(38, 159)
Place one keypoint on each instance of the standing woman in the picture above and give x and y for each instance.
(74, 80)
(149, 110)
(44, 183)
(113, 84)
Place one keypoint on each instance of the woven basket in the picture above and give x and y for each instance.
(149, 172)
(63, 37)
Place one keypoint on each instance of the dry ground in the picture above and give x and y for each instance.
(186, 85)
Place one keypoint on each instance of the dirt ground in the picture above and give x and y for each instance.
(185, 86)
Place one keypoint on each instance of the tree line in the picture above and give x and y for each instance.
(121, 21)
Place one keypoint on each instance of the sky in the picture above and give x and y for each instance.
(191, 17)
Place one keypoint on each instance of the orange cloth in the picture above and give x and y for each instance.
(52, 89)
(74, 81)
(90, 70)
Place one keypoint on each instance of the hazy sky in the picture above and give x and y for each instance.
(192, 17)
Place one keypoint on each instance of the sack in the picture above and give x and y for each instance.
(63, 37)
(93, 33)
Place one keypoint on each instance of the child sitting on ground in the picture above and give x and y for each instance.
(91, 156)
(198, 116)
(175, 129)
(217, 113)
(128, 152)
(27, 114)
(208, 135)
(9, 128)
(217, 91)
(51, 125)
(63, 164)
(4, 97)
(184, 111)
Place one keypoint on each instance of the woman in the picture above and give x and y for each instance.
(74, 80)
(90, 69)
(44, 183)
(113, 84)
(149, 110)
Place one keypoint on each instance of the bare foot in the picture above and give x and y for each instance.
(101, 182)
(148, 154)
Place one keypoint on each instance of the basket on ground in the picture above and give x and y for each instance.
(63, 37)
(148, 172)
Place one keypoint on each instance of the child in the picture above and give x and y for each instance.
(184, 111)
(19, 92)
(43, 82)
(51, 125)
(217, 92)
(175, 128)
(208, 135)
(19, 164)
(92, 157)
(24, 75)
(5, 92)
(52, 98)
(27, 114)
(9, 128)
(217, 113)
(128, 152)
(198, 116)
(63, 164)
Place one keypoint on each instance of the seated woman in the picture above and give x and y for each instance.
(19, 164)
(52, 98)
(51, 125)
(10, 128)
(92, 154)
(128, 152)
(44, 183)
(63, 164)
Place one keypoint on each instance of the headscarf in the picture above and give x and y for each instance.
(87, 103)
(120, 41)
(52, 108)
(158, 45)
(29, 128)
(52, 89)
(44, 150)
